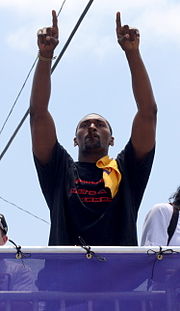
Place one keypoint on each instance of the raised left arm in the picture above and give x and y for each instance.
(144, 124)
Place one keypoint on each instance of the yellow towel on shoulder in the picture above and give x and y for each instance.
(111, 174)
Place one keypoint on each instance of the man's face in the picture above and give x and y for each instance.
(3, 238)
(93, 133)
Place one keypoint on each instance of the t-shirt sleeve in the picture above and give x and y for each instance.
(53, 173)
(155, 226)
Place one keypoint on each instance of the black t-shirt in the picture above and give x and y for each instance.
(88, 204)
(80, 205)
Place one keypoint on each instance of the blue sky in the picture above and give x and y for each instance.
(93, 76)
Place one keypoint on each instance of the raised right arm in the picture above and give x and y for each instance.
(42, 125)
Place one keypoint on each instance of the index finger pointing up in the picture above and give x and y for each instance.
(54, 19)
(118, 19)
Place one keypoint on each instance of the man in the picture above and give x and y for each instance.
(95, 199)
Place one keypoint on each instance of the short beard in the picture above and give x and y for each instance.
(91, 147)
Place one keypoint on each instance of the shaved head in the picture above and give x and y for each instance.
(93, 114)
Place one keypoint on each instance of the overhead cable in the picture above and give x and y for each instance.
(61, 8)
(24, 210)
(72, 35)
(14, 104)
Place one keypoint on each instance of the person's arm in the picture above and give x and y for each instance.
(144, 124)
(42, 125)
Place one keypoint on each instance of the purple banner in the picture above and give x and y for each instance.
(106, 282)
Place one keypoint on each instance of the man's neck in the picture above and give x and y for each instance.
(91, 158)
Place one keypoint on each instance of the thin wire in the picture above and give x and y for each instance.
(72, 34)
(53, 68)
(61, 8)
(26, 79)
(14, 104)
(25, 211)
(14, 134)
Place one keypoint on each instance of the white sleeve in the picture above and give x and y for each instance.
(156, 224)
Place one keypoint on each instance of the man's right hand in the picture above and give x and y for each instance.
(48, 38)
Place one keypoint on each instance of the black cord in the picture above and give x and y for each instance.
(19, 253)
(159, 256)
(89, 253)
